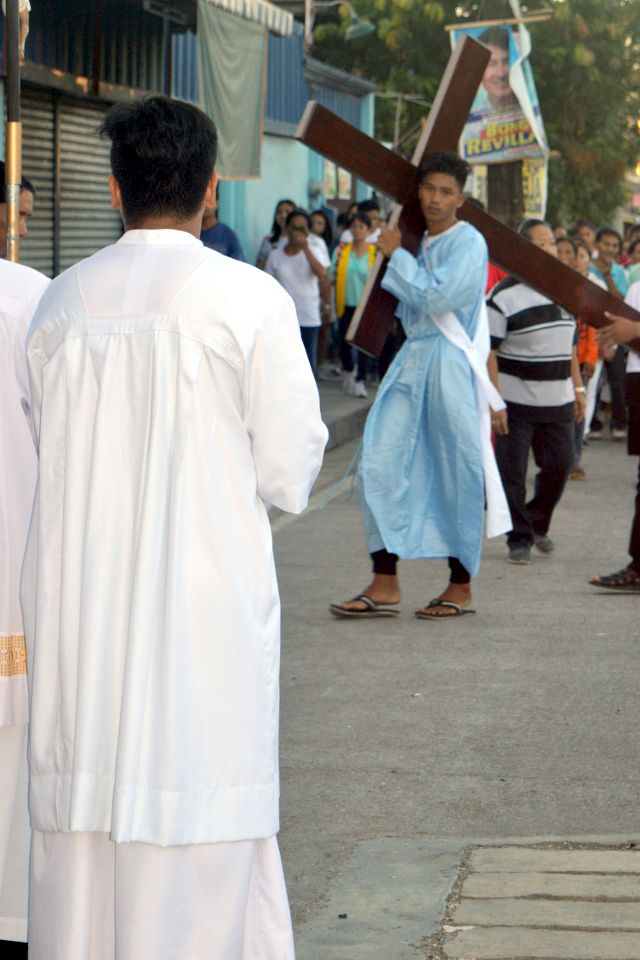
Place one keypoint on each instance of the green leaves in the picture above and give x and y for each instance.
(586, 63)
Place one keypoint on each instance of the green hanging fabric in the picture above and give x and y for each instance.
(231, 77)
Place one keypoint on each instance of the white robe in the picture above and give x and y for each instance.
(20, 290)
(173, 400)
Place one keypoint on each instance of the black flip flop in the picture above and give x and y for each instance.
(373, 609)
(459, 611)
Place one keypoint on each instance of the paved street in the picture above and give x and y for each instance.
(406, 744)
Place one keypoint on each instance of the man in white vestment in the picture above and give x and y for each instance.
(172, 403)
(20, 291)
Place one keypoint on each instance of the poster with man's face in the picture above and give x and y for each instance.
(497, 128)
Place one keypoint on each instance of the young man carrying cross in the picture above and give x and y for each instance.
(427, 462)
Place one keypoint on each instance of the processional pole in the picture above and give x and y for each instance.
(13, 165)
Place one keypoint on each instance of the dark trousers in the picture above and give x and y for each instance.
(616, 378)
(552, 445)
(346, 349)
(385, 562)
(310, 340)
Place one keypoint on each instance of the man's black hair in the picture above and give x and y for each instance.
(274, 236)
(365, 206)
(584, 223)
(362, 217)
(609, 232)
(495, 37)
(298, 212)
(24, 185)
(633, 246)
(163, 153)
(528, 226)
(447, 163)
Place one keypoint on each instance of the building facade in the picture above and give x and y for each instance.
(85, 55)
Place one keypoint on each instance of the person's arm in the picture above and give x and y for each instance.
(620, 330)
(452, 286)
(578, 386)
(282, 410)
(317, 267)
(499, 418)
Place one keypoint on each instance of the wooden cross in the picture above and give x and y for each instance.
(391, 174)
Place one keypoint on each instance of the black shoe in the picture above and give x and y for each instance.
(544, 544)
(520, 554)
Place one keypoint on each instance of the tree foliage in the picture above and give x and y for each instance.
(586, 63)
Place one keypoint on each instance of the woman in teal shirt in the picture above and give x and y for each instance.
(350, 266)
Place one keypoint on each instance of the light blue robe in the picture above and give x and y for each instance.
(421, 472)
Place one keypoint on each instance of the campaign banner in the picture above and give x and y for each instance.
(505, 122)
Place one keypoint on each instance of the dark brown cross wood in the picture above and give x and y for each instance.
(396, 177)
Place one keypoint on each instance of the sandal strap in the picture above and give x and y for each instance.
(366, 600)
(444, 603)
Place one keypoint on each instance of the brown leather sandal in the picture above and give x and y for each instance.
(626, 580)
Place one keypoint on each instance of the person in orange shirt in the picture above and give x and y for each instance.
(588, 349)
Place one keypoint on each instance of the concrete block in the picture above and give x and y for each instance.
(568, 885)
(548, 913)
(528, 859)
(518, 943)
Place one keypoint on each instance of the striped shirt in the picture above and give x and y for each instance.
(533, 339)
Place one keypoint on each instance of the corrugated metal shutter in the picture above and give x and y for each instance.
(38, 164)
(87, 220)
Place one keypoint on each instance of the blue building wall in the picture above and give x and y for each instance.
(288, 169)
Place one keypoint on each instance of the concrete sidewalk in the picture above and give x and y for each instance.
(538, 899)
(406, 746)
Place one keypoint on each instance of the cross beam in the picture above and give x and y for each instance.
(391, 174)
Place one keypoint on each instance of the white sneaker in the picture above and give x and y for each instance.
(359, 390)
(348, 383)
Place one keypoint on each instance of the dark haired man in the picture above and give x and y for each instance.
(218, 236)
(25, 210)
(21, 289)
(534, 364)
(172, 402)
(427, 459)
(371, 209)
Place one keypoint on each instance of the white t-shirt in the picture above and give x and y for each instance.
(299, 280)
(633, 299)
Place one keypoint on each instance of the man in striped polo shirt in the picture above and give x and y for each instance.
(534, 364)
